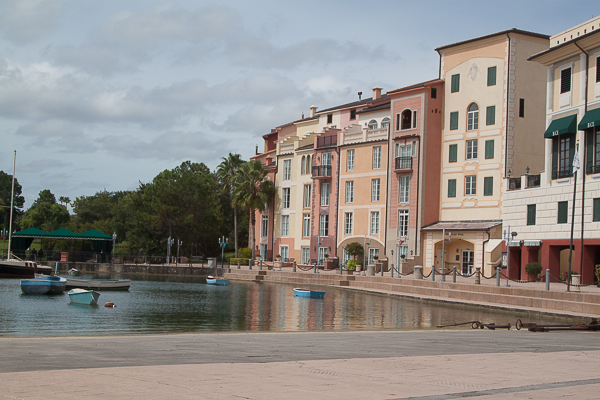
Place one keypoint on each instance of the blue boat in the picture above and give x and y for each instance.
(211, 280)
(82, 296)
(312, 294)
(44, 285)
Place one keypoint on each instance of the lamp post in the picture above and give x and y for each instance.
(222, 244)
(169, 244)
(444, 240)
(114, 243)
(508, 236)
(179, 243)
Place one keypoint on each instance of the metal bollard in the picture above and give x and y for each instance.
(433, 272)
(381, 269)
(315, 270)
(340, 268)
(547, 278)
(239, 263)
(454, 274)
(260, 266)
(497, 276)
(392, 270)
(294, 269)
(249, 264)
(478, 276)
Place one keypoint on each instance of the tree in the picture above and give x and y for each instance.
(355, 249)
(226, 172)
(253, 190)
(65, 200)
(45, 213)
(5, 192)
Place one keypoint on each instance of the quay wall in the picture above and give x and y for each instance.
(139, 269)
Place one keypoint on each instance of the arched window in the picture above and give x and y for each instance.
(308, 165)
(303, 166)
(385, 123)
(372, 124)
(408, 120)
(473, 117)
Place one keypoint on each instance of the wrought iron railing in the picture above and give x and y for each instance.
(326, 141)
(321, 170)
(514, 183)
(533, 181)
(403, 163)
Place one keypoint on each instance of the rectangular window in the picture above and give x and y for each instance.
(434, 93)
(345, 256)
(306, 225)
(490, 115)
(287, 170)
(324, 225)
(451, 187)
(596, 210)
(322, 252)
(353, 114)
(563, 212)
(377, 157)
(453, 120)
(402, 223)
(325, 194)
(307, 199)
(470, 185)
(264, 226)
(285, 225)
(373, 252)
(284, 252)
(349, 191)
(404, 189)
(491, 78)
(471, 149)
(348, 223)
(531, 214)
(285, 198)
(375, 189)
(488, 186)
(597, 69)
(452, 153)
(330, 118)
(375, 223)
(489, 149)
(565, 80)
(455, 83)
(521, 108)
(304, 255)
(263, 251)
(326, 159)
(350, 160)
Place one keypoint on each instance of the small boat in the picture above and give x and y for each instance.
(44, 285)
(16, 268)
(99, 284)
(82, 296)
(312, 294)
(211, 280)
(73, 272)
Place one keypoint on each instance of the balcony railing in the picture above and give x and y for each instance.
(326, 141)
(562, 173)
(533, 181)
(514, 183)
(321, 171)
(403, 163)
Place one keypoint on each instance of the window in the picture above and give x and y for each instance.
(403, 157)
(372, 124)
(306, 225)
(490, 115)
(284, 252)
(285, 225)
(287, 170)
(350, 160)
(304, 255)
(375, 223)
(345, 256)
(325, 194)
(353, 114)
(491, 78)
(489, 149)
(308, 165)
(488, 186)
(285, 198)
(329, 118)
(264, 227)
(322, 252)
(451, 187)
(455, 87)
(403, 250)
(307, 198)
(473, 117)
(596, 209)
(385, 123)
(563, 150)
(409, 120)
(563, 212)
(597, 69)
(349, 191)
(471, 149)
(521, 108)
(470, 185)
(373, 252)
(326, 159)
(375, 189)
(263, 251)
(324, 225)
(453, 120)
(434, 93)
(565, 80)
(452, 152)
(531, 214)
(348, 223)
(565, 156)
(303, 166)
(377, 157)
(404, 189)
(593, 151)
(402, 223)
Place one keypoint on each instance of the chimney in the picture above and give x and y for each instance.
(256, 150)
(376, 93)
(359, 96)
(313, 111)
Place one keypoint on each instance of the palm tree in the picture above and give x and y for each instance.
(226, 172)
(65, 200)
(253, 191)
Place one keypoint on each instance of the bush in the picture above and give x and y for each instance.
(245, 252)
(351, 264)
(533, 268)
(243, 261)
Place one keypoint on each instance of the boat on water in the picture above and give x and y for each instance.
(211, 280)
(44, 285)
(17, 268)
(73, 272)
(82, 296)
(312, 294)
(99, 284)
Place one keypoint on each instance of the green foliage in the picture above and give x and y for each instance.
(243, 261)
(351, 264)
(245, 252)
(355, 249)
(5, 192)
(46, 214)
(598, 272)
(533, 268)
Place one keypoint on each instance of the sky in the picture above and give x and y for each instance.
(103, 95)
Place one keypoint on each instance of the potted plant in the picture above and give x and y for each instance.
(278, 257)
(598, 275)
(533, 269)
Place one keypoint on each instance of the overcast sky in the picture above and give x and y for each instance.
(100, 95)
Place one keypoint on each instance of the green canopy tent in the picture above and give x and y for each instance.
(23, 239)
(101, 242)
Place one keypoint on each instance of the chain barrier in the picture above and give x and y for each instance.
(428, 275)
(491, 277)
(305, 268)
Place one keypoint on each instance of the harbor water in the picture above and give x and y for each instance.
(167, 305)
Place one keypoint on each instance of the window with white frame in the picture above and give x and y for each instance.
(348, 223)
(385, 123)
(404, 189)
(307, 196)
(349, 191)
(403, 156)
(325, 188)
(377, 157)
(285, 198)
(324, 225)
(326, 159)
(373, 252)
(322, 252)
(264, 226)
(402, 223)
(350, 160)
(375, 189)
(372, 124)
(473, 117)
(403, 250)
(263, 251)
(284, 252)
(304, 255)
(470, 185)
(287, 170)
(408, 120)
(471, 149)
(303, 166)
(345, 256)
(306, 225)
(285, 225)
(374, 222)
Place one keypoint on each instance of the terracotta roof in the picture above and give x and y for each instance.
(513, 30)
(562, 45)
(378, 107)
(355, 103)
(462, 225)
(415, 86)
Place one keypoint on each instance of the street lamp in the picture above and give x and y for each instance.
(114, 243)
(222, 244)
(169, 244)
(444, 240)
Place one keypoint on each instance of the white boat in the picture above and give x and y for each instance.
(99, 284)
(211, 280)
(82, 296)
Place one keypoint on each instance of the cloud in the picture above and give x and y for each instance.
(42, 164)
(24, 21)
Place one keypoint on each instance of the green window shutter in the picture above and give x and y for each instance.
(489, 149)
(491, 76)
(555, 157)
(563, 210)
(453, 151)
(490, 115)
(597, 209)
(488, 186)
(531, 214)
(455, 83)
(589, 148)
(451, 187)
(454, 120)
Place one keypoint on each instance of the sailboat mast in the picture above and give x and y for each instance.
(12, 199)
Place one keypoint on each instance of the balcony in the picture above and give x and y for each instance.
(514, 183)
(403, 164)
(533, 181)
(377, 134)
(562, 173)
(326, 141)
(321, 172)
